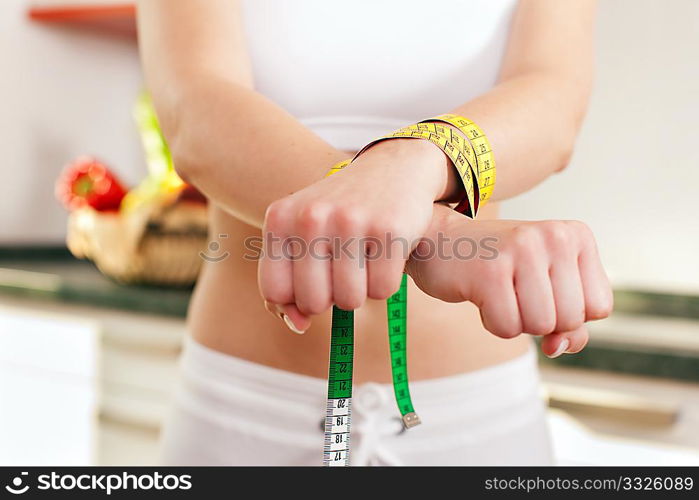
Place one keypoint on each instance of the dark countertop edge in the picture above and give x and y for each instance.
(34, 253)
(620, 359)
(145, 301)
(651, 303)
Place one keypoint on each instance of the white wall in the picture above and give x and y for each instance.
(635, 175)
(63, 92)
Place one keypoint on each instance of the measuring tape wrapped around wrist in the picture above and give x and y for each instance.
(473, 159)
(471, 155)
(482, 155)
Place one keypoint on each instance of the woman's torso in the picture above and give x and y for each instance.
(352, 73)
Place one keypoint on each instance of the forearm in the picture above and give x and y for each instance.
(531, 122)
(242, 150)
(233, 144)
(532, 116)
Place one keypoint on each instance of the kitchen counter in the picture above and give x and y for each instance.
(52, 273)
(650, 333)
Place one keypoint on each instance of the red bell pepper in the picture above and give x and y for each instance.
(86, 182)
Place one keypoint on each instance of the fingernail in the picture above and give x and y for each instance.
(291, 325)
(270, 309)
(562, 347)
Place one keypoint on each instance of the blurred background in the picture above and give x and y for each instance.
(87, 365)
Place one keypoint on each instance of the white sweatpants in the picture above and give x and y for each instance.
(229, 411)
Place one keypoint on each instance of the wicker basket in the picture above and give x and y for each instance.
(155, 245)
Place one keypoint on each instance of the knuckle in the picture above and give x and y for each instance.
(525, 238)
(350, 303)
(505, 323)
(603, 309)
(607, 306)
(349, 296)
(503, 330)
(277, 295)
(541, 325)
(582, 232)
(313, 306)
(507, 332)
(383, 289)
(312, 216)
(558, 235)
(579, 227)
(277, 215)
(348, 219)
(570, 322)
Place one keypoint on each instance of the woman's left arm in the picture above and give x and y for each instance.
(533, 115)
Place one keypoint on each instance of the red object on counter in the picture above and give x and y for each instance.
(117, 17)
(86, 182)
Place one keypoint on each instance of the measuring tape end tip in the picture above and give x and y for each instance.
(411, 420)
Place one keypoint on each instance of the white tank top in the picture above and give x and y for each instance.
(352, 71)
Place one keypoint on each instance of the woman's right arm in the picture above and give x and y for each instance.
(245, 153)
(233, 144)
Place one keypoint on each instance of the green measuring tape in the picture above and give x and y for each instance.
(338, 413)
(474, 161)
(397, 312)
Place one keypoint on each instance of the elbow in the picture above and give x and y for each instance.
(175, 129)
(569, 128)
(570, 94)
(183, 161)
(189, 157)
(564, 152)
(173, 105)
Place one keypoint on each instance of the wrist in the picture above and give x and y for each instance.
(453, 189)
(424, 162)
(439, 224)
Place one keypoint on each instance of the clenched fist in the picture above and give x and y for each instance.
(346, 238)
(541, 278)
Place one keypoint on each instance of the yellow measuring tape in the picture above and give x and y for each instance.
(472, 156)
(473, 159)
(484, 159)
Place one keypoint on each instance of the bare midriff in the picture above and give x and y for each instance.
(227, 314)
